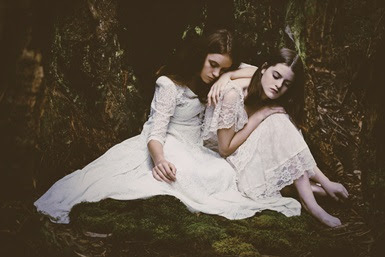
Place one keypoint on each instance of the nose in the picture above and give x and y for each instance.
(216, 72)
(279, 84)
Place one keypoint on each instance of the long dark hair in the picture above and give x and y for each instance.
(185, 66)
(293, 100)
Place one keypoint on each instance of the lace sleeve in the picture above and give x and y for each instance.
(162, 108)
(228, 112)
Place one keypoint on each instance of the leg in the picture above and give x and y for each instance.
(309, 203)
(290, 191)
(317, 189)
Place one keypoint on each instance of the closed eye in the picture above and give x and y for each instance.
(276, 75)
(214, 64)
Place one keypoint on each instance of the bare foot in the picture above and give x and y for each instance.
(325, 217)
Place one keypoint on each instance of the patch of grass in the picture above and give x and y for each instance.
(164, 225)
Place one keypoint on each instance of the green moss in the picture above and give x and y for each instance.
(164, 221)
(204, 232)
(233, 246)
(276, 242)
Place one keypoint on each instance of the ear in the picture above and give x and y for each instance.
(263, 67)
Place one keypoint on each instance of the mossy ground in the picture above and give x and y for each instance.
(162, 226)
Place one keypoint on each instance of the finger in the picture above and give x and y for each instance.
(169, 173)
(343, 192)
(162, 176)
(209, 98)
(155, 175)
(173, 169)
(217, 90)
(211, 94)
(346, 192)
(157, 172)
(163, 173)
(216, 96)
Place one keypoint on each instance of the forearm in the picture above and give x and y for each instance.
(228, 143)
(156, 151)
(319, 177)
(246, 72)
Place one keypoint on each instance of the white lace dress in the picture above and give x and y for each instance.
(205, 182)
(273, 156)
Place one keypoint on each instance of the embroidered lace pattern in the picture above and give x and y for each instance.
(162, 108)
(283, 175)
(227, 113)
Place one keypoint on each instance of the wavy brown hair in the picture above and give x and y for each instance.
(293, 100)
(185, 66)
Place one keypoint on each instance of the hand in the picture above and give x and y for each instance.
(266, 111)
(336, 191)
(164, 171)
(216, 89)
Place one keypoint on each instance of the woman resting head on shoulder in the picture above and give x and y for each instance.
(269, 153)
(197, 65)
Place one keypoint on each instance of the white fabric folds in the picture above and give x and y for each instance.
(205, 181)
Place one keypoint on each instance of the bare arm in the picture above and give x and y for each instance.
(229, 140)
(246, 72)
(156, 150)
(335, 190)
(243, 73)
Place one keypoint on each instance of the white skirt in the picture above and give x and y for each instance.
(274, 155)
(205, 182)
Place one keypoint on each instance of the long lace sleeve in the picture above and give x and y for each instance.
(228, 112)
(162, 108)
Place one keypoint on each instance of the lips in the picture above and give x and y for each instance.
(274, 91)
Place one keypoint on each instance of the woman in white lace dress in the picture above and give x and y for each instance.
(168, 157)
(267, 151)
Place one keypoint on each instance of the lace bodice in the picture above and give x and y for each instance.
(228, 112)
(174, 110)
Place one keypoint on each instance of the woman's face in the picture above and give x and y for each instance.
(214, 66)
(276, 80)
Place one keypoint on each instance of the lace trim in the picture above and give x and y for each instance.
(283, 175)
(225, 114)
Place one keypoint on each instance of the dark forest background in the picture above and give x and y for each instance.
(77, 77)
